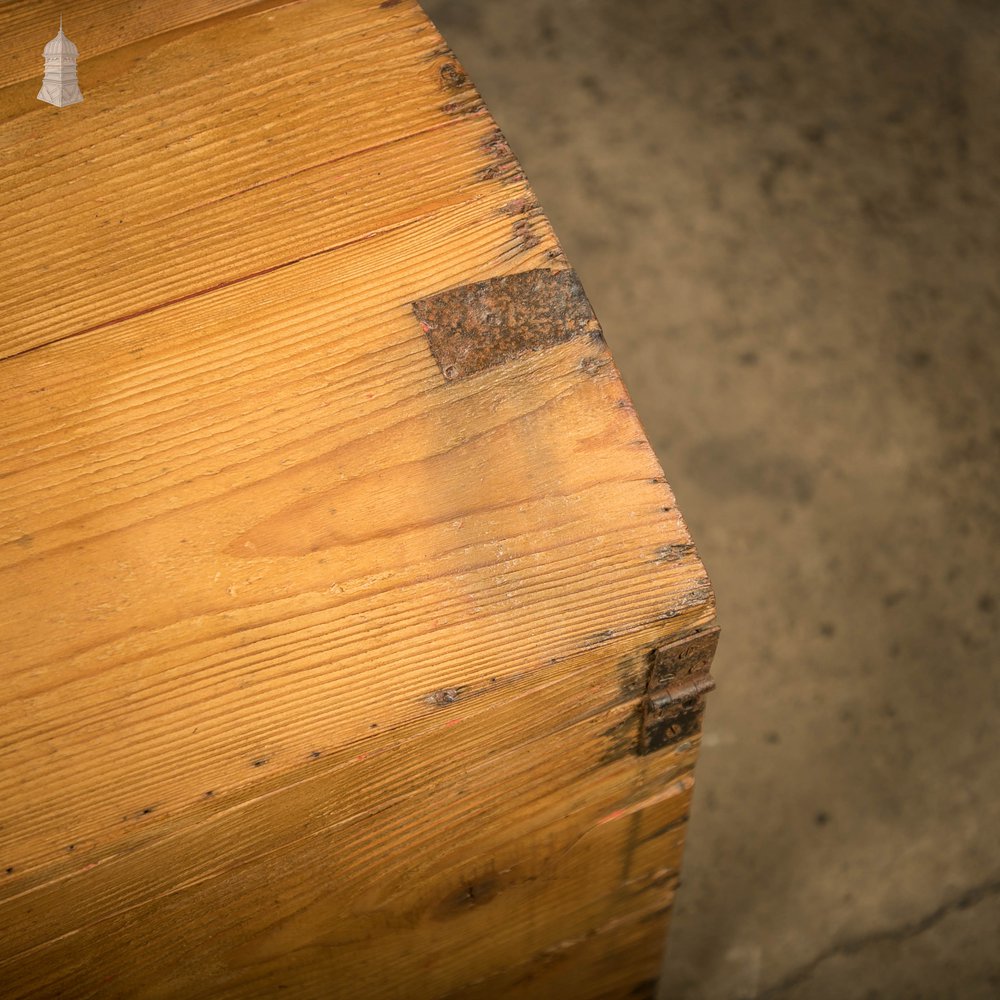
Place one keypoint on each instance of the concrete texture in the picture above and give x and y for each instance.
(786, 215)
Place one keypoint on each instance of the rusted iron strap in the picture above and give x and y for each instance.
(476, 327)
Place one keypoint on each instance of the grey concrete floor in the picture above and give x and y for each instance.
(787, 216)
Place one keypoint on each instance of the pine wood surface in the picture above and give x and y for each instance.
(321, 672)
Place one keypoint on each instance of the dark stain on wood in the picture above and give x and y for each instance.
(446, 696)
(673, 553)
(468, 896)
(645, 990)
(469, 104)
(593, 365)
(623, 737)
(675, 824)
(453, 76)
(476, 327)
(504, 167)
(524, 236)
(147, 811)
(519, 206)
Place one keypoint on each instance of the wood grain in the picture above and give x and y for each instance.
(96, 26)
(319, 668)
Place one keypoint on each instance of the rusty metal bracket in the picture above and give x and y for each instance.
(675, 690)
(479, 326)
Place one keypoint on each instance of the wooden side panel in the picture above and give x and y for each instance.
(464, 867)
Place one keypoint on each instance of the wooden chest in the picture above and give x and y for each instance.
(353, 644)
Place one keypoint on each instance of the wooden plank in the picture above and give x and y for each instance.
(457, 851)
(95, 26)
(322, 665)
(219, 199)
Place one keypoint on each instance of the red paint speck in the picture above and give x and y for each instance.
(611, 816)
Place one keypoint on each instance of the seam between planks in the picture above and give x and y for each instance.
(238, 280)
